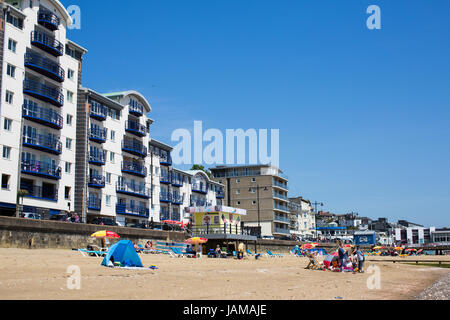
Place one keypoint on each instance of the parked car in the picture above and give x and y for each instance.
(34, 216)
(104, 221)
(137, 226)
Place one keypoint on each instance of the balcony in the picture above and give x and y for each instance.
(44, 143)
(164, 214)
(97, 158)
(41, 169)
(137, 211)
(48, 19)
(94, 204)
(41, 193)
(281, 231)
(177, 199)
(133, 190)
(47, 43)
(220, 194)
(199, 188)
(42, 92)
(165, 179)
(98, 135)
(280, 185)
(134, 147)
(165, 160)
(95, 181)
(165, 197)
(134, 168)
(98, 111)
(281, 219)
(281, 208)
(44, 116)
(280, 196)
(136, 110)
(44, 66)
(177, 181)
(198, 202)
(135, 128)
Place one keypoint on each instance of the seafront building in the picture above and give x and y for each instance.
(303, 218)
(262, 191)
(40, 74)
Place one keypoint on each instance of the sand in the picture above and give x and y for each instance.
(42, 274)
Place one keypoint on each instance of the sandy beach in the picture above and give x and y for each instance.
(42, 274)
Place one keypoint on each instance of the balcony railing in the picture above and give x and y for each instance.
(281, 231)
(97, 158)
(41, 193)
(41, 169)
(280, 196)
(134, 168)
(134, 147)
(199, 188)
(279, 218)
(226, 228)
(98, 135)
(220, 194)
(164, 214)
(177, 199)
(136, 110)
(138, 211)
(45, 116)
(165, 197)
(47, 43)
(133, 190)
(280, 185)
(165, 178)
(94, 204)
(43, 92)
(135, 128)
(43, 143)
(44, 66)
(98, 111)
(48, 19)
(177, 181)
(95, 181)
(165, 160)
(280, 207)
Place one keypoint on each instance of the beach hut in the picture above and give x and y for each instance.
(123, 252)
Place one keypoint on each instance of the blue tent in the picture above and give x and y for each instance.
(123, 252)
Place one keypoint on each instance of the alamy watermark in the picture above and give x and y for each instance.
(74, 279)
(75, 13)
(374, 20)
(230, 148)
(374, 281)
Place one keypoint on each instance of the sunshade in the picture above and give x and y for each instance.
(196, 240)
(378, 247)
(398, 248)
(105, 234)
(411, 250)
(309, 246)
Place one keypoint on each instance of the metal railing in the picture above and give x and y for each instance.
(38, 192)
(126, 209)
(37, 61)
(138, 190)
(48, 19)
(41, 168)
(55, 46)
(43, 142)
(134, 168)
(42, 115)
(98, 134)
(48, 94)
(96, 181)
(217, 229)
(134, 147)
(136, 128)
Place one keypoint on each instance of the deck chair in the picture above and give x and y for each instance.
(274, 255)
(250, 253)
(314, 264)
(92, 253)
(177, 251)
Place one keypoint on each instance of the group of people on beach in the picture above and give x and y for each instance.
(350, 261)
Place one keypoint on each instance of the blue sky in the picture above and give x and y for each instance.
(363, 114)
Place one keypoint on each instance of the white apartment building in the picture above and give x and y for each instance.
(303, 218)
(40, 73)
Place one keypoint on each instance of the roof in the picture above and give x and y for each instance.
(58, 5)
(70, 42)
(122, 94)
(101, 98)
(160, 144)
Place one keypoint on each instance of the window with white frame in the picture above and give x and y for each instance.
(11, 70)
(7, 124)
(12, 45)
(6, 152)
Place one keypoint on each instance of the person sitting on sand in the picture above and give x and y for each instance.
(218, 252)
(136, 247)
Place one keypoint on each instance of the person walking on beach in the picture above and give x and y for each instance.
(342, 256)
(241, 249)
(361, 259)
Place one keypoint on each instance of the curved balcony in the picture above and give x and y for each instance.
(98, 135)
(177, 181)
(43, 143)
(97, 182)
(199, 188)
(165, 160)
(135, 148)
(45, 116)
(97, 159)
(44, 66)
(94, 204)
(48, 19)
(135, 128)
(42, 92)
(177, 199)
(165, 179)
(136, 110)
(133, 190)
(137, 211)
(47, 43)
(134, 168)
(41, 169)
(98, 111)
(40, 193)
(165, 197)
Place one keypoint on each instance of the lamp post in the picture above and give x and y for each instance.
(259, 209)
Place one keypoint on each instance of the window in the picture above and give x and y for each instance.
(253, 179)
(108, 200)
(11, 71)
(5, 181)
(238, 191)
(113, 135)
(108, 178)
(9, 97)
(254, 202)
(16, 22)
(7, 124)
(68, 144)
(69, 119)
(12, 45)
(69, 96)
(238, 203)
(238, 180)
(111, 157)
(67, 193)
(6, 152)
(68, 167)
(70, 74)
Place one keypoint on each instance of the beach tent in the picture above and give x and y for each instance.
(123, 252)
(330, 258)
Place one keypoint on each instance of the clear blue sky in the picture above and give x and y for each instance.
(364, 115)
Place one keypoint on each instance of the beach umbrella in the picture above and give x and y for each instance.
(308, 246)
(348, 246)
(196, 240)
(411, 250)
(105, 234)
(398, 248)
